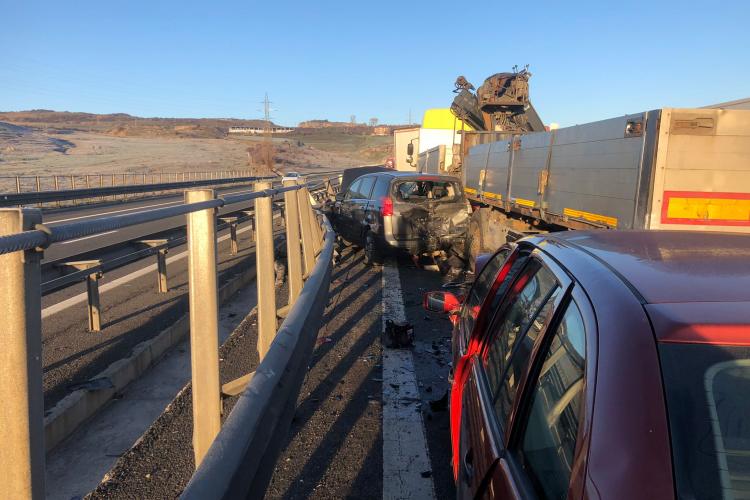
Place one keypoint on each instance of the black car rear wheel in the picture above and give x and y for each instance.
(373, 254)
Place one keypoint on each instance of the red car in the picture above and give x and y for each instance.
(606, 364)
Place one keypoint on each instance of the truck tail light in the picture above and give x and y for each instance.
(387, 207)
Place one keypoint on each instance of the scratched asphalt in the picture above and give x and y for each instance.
(334, 448)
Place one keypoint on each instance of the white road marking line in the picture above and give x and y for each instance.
(83, 297)
(87, 237)
(101, 214)
(405, 454)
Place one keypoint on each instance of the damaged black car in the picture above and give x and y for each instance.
(421, 214)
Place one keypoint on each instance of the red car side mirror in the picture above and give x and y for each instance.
(438, 301)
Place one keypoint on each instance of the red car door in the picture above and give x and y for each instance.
(475, 314)
(547, 447)
(499, 369)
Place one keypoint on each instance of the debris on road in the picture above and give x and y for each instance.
(399, 335)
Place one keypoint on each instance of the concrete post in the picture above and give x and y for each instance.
(22, 409)
(293, 249)
(204, 323)
(265, 273)
(308, 253)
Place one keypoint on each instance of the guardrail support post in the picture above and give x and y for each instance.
(22, 413)
(317, 232)
(234, 246)
(306, 226)
(204, 323)
(265, 272)
(233, 237)
(253, 227)
(95, 316)
(57, 188)
(293, 249)
(161, 262)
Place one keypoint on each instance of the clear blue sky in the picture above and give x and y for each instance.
(326, 59)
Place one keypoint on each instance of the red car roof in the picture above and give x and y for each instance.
(695, 286)
(673, 266)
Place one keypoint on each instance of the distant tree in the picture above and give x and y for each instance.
(373, 122)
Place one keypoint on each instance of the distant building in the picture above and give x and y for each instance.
(259, 130)
(382, 130)
(325, 124)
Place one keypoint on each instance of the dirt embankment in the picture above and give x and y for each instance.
(53, 143)
(124, 125)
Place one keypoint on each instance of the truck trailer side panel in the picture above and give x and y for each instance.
(593, 173)
(702, 174)
(671, 169)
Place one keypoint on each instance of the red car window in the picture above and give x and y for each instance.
(547, 446)
(479, 290)
(489, 289)
(504, 363)
(708, 402)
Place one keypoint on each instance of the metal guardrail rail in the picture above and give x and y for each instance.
(14, 199)
(309, 251)
(242, 458)
(48, 182)
(101, 190)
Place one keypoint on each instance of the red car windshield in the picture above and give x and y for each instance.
(708, 403)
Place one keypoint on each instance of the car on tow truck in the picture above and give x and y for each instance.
(421, 214)
(604, 364)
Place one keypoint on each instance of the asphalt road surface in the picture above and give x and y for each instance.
(132, 312)
(335, 447)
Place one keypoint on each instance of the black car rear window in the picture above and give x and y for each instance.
(708, 404)
(416, 190)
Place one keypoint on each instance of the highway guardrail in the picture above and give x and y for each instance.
(93, 186)
(309, 240)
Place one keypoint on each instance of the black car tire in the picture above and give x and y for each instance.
(372, 253)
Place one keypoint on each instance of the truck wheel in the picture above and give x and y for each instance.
(473, 244)
(372, 254)
(475, 241)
